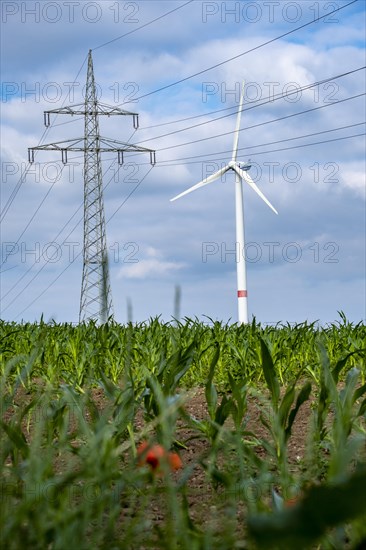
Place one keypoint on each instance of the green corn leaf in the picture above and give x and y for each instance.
(29, 407)
(362, 409)
(211, 398)
(210, 390)
(347, 393)
(223, 410)
(341, 364)
(265, 423)
(286, 403)
(239, 399)
(109, 387)
(213, 363)
(359, 393)
(303, 524)
(17, 437)
(301, 398)
(232, 383)
(181, 362)
(328, 389)
(270, 373)
(92, 409)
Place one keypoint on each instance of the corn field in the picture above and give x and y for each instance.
(183, 435)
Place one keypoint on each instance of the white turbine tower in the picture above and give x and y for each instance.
(241, 173)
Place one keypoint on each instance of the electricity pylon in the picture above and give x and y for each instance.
(96, 296)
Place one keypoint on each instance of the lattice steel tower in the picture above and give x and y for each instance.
(96, 296)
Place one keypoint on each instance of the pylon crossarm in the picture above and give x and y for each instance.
(52, 147)
(67, 109)
(97, 109)
(120, 147)
(115, 145)
(57, 146)
(108, 110)
(111, 146)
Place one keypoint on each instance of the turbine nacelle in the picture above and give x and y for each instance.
(244, 166)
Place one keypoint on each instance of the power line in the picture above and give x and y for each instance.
(30, 220)
(275, 97)
(285, 148)
(143, 26)
(261, 123)
(57, 236)
(175, 164)
(280, 96)
(67, 267)
(311, 144)
(247, 127)
(45, 290)
(164, 162)
(79, 254)
(21, 180)
(243, 53)
(129, 195)
(11, 199)
(23, 176)
(176, 161)
(38, 272)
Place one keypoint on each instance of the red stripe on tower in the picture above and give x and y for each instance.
(242, 293)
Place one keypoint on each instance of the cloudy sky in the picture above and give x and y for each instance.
(180, 65)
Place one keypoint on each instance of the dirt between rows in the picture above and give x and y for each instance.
(196, 405)
(209, 506)
(204, 502)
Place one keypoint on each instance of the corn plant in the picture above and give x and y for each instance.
(79, 403)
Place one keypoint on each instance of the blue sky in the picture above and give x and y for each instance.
(307, 263)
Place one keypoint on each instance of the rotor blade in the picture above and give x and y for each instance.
(236, 133)
(250, 182)
(206, 181)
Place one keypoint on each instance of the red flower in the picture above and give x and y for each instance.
(154, 455)
(174, 461)
(291, 502)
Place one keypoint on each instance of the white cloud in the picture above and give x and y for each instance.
(355, 180)
(152, 266)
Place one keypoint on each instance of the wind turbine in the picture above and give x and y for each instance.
(241, 173)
